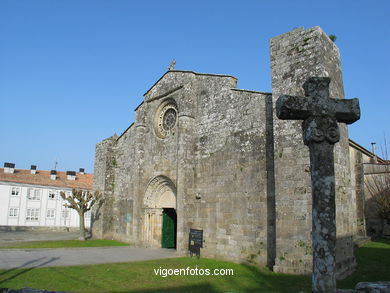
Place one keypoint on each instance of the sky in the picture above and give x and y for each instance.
(73, 71)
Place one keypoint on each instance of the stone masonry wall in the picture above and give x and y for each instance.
(357, 184)
(125, 170)
(296, 56)
(230, 175)
(103, 181)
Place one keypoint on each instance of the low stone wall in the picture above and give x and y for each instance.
(368, 287)
(40, 229)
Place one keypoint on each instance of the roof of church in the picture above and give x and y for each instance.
(188, 71)
(251, 91)
(83, 181)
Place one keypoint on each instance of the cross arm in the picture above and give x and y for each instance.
(346, 111)
(293, 108)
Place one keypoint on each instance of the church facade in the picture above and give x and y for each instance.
(203, 154)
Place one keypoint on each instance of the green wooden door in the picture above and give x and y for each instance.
(168, 230)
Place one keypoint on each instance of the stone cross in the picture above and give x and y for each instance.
(320, 115)
(172, 65)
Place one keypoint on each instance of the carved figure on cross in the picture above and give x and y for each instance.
(319, 112)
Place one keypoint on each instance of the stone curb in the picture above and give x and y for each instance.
(367, 287)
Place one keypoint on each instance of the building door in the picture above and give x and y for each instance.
(159, 221)
(168, 235)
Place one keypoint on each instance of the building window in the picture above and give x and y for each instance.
(34, 194)
(15, 191)
(166, 118)
(32, 214)
(65, 213)
(50, 214)
(13, 212)
(87, 215)
(52, 194)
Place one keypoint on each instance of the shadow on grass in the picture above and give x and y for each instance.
(20, 272)
(205, 288)
(373, 262)
(384, 241)
(22, 266)
(248, 280)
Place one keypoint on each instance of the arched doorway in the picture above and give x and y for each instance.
(160, 219)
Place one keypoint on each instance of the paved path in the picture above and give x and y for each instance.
(9, 237)
(42, 257)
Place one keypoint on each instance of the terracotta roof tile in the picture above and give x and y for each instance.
(83, 181)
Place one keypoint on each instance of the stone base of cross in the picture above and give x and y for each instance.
(320, 115)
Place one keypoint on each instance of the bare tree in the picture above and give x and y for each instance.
(378, 187)
(81, 201)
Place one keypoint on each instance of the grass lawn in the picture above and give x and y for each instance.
(373, 259)
(140, 277)
(373, 264)
(64, 244)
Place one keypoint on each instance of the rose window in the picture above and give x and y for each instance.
(166, 119)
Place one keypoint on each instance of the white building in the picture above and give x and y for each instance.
(32, 197)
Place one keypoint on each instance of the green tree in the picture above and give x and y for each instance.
(81, 201)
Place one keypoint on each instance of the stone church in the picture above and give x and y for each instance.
(204, 154)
